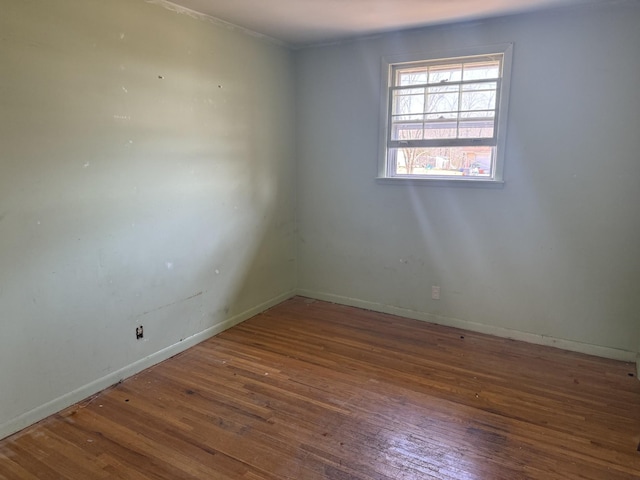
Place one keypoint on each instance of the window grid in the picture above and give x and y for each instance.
(446, 115)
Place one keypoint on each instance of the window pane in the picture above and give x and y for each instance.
(442, 101)
(440, 128)
(476, 128)
(411, 76)
(407, 131)
(443, 161)
(408, 101)
(477, 71)
(478, 100)
(445, 73)
(447, 113)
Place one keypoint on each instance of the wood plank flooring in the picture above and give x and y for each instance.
(311, 390)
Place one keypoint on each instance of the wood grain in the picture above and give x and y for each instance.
(312, 390)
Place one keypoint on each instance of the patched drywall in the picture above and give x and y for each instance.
(146, 178)
(552, 254)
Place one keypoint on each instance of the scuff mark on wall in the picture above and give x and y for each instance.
(170, 304)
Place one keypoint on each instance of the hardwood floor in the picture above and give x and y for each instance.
(312, 390)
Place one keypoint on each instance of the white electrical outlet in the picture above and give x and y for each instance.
(435, 292)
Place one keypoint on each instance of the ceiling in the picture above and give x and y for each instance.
(306, 22)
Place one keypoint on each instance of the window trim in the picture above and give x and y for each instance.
(384, 175)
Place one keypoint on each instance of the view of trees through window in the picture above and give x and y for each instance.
(442, 119)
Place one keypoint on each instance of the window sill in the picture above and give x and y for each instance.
(440, 182)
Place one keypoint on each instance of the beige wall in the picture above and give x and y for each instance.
(553, 256)
(128, 199)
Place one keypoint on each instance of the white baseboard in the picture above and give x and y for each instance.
(43, 411)
(597, 350)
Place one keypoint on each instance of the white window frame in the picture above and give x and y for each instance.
(385, 174)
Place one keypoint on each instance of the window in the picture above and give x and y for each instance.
(445, 118)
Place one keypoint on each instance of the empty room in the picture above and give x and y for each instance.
(304, 239)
